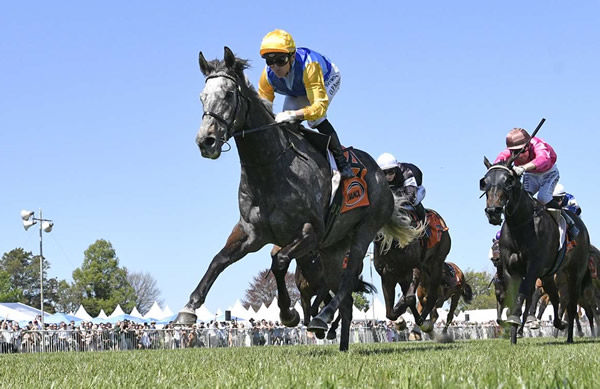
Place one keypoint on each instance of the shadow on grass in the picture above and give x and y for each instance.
(385, 348)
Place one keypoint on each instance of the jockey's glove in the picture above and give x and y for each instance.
(285, 116)
(519, 170)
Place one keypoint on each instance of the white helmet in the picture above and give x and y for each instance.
(387, 161)
(559, 190)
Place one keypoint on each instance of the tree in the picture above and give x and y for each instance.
(102, 282)
(483, 293)
(263, 289)
(144, 286)
(360, 301)
(7, 292)
(23, 270)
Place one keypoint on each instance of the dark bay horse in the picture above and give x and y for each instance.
(316, 279)
(529, 247)
(284, 194)
(453, 287)
(417, 263)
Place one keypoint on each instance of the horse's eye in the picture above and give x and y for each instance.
(229, 95)
(483, 184)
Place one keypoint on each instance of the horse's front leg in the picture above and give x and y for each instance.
(300, 247)
(239, 243)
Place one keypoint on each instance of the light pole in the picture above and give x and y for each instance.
(46, 225)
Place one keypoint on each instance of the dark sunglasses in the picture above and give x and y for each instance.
(279, 61)
(515, 151)
(389, 172)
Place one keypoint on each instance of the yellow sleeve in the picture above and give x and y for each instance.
(265, 89)
(315, 91)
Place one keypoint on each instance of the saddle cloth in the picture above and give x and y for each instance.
(435, 226)
(354, 190)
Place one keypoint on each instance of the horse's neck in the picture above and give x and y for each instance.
(260, 149)
(519, 209)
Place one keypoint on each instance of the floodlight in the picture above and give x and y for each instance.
(47, 226)
(25, 214)
(28, 223)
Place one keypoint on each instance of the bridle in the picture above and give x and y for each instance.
(238, 91)
(230, 125)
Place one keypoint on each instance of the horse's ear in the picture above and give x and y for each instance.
(204, 66)
(486, 162)
(229, 57)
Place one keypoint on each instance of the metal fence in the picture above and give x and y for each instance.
(114, 339)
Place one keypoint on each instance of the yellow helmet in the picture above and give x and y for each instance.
(277, 41)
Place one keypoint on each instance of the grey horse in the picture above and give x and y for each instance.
(284, 195)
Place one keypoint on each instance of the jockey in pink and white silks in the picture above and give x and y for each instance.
(537, 165)
(308, 80)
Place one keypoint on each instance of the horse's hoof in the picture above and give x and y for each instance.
(580, 334)
(320, 334)
(559, 324)
(331, 335)
(400, 324)
(291, 319)
(427, 326)
(513, 319)
(185, 318)
(317, 324)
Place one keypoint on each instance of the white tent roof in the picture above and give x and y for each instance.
(101, 315)
(155, 312)
(273, 311)
(82, 313)
(136, 313)
(118, 311)
(262, 312)
(18, 312)
(167, 312)
(238, 310)
(204, 314)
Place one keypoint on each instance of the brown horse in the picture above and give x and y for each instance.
(421, 262)
(452, 287)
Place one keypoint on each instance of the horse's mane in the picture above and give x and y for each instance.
(237, 71)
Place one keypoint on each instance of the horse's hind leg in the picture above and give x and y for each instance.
(239, 243)
(453, 305)
(352, 264)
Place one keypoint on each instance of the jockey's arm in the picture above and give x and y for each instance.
(316, 93)
(265, 89)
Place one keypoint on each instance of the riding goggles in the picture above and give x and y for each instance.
(279, 60)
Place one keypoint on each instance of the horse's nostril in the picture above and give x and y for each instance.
(209, 141)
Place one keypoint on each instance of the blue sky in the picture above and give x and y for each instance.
(99, 109)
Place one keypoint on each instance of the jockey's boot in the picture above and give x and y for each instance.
(420, 211)
(336, 149)
(571, 226)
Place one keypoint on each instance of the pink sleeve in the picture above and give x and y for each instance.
(503, 156)
(544, 155)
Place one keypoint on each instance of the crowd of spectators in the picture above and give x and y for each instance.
(127, 335)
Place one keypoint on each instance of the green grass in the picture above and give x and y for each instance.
(532, 363)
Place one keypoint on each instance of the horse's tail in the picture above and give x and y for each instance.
(467, 293)
(399, 227)
(364, 287)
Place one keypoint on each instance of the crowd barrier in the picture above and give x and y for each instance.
(113, 339)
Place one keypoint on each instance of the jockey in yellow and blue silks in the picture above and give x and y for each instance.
(308, 80)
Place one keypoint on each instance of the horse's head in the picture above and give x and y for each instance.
(223, 101)
(498, 184)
